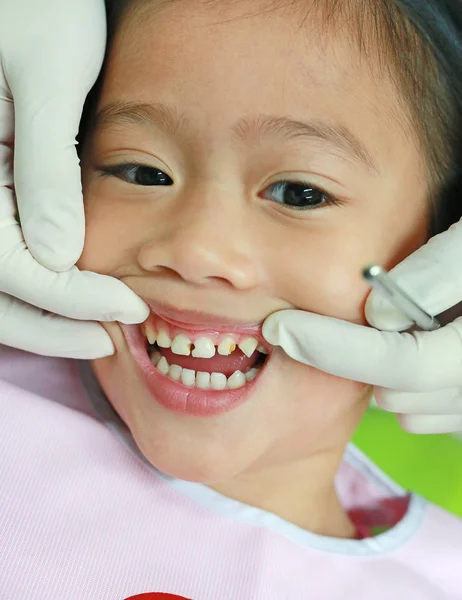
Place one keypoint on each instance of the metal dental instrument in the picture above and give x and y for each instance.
(380, 280)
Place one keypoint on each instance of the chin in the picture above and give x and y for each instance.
(195, 467)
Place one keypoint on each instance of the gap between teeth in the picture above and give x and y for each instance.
(202, 379)
(203, 346)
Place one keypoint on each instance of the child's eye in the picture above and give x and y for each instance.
(138, 174)
(299, 196)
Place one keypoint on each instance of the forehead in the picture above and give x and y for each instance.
(307, 22)
(221, 60)
(259, 35)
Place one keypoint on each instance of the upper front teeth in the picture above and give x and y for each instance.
(248, 346)
(163, 339)
(203, 346)
(150, 334)
(181, 345)
(226, 346)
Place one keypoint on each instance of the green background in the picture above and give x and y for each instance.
(430, 465)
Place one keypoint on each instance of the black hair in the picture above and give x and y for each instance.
(439, 22)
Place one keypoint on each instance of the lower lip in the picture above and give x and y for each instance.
(175, 396)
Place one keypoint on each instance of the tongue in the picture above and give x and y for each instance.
(237, 361)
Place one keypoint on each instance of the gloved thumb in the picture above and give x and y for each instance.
(319, 341)
(419, 361)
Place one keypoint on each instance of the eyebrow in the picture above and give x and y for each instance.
(144, 114)
(247, 129)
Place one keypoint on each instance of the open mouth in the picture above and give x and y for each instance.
(194, 369)
(205, 360)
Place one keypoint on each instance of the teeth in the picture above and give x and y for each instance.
(155, 357)
(237, 380)
(227, 346)
(218, 381)
(203, 348)
(150, 334)
(248, 346)
(174, 372)
(181, 345)
(203, 380)
(261, 349)
(250, 375)
(163, 339)
(188, 377)
(163, 366)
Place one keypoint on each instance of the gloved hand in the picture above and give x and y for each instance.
(51, 52)
(418, 375)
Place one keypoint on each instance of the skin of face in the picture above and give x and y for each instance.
(219, 242)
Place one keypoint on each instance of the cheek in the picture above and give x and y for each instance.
(327, 280)
(326, 409)
(112, 227)
(321, 270)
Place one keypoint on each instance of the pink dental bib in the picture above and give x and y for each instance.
(83, 516)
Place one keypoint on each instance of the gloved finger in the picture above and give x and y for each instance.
(50, 203)
(431, 423)
(6, 139)
(432, 277)
(421, 361)
(74, 294)
(49, 96)
(441, 402)
(28, 328)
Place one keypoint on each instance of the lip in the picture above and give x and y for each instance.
(196, 320)
(173, 395)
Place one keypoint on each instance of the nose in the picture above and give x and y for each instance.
(203, 241)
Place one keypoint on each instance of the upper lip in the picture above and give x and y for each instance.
(188, 319)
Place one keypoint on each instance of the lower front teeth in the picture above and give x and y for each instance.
(202, 379)
(188, 377)
(218, 381)
(236, 380)
(250, 375)
(174, 372)
(163, 366)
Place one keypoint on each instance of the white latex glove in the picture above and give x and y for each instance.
(51, 52)
(418, 375)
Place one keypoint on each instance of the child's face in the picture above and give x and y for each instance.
(219, 241)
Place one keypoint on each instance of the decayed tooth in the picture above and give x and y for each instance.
(150, 334)
(251, 374)
(226, 346)
(248, 346)
(181, 345)
(237, 380)
(174, 372)
(203, 348)
(218, 381)
(163, 339)
(155, 357)
(188, 377)
(163, 366)
(203, 380)
(261, 349)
